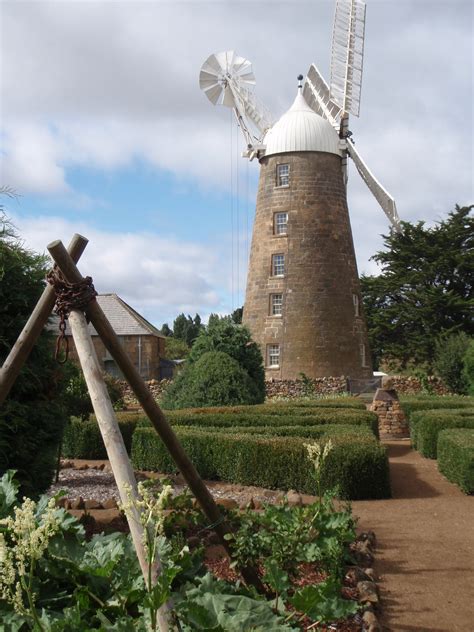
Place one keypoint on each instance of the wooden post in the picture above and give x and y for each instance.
(151, 408)
(113, 441)
(31, 331)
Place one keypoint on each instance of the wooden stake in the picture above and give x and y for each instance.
(35, 325)
(151, 408)
(113, 441)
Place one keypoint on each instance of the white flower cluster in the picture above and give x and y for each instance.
(317, 453)
(24, 538)
(150, 507)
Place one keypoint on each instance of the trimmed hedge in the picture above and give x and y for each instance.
(299, 417)
(82, 439)
(426, 425)
(282, 408)
(456, 457)
(325, 431)
(414, 404)
(358, 466)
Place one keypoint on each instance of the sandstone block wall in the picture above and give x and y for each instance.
(321, 332)
(147, 358)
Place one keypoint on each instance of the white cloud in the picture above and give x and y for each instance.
(158, 275)
(102, 84)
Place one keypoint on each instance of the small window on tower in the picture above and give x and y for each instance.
(363, 357)
(280, 223)
(273, 356)
(355, 300)
(276, 304)
(283, 175)
(278, 265)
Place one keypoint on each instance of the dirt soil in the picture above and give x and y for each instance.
(425, 547)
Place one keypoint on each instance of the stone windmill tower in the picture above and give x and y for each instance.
(303, 303)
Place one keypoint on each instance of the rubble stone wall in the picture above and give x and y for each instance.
(297, 388)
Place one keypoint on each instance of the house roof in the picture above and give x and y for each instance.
(124, 319)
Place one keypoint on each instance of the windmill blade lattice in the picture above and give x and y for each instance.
(317, 95)
(220, 72)
(348, 54)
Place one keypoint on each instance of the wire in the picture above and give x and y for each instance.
(232, 206)
(237, 221)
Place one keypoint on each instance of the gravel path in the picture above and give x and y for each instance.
(425, 547)
(100, 485)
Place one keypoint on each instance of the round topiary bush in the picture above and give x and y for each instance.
(215, 379)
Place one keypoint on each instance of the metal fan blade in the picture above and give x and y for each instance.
(316, 93)
(214, 94)
(206, 80)
(348, 54)
(384, 198)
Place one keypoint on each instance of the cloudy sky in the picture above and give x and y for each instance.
(105, 131)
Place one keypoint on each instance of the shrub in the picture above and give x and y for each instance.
(426, 426)
(468, 368)
(236, 341)
(82, 438)
(33, 416)
(359, 467)
(448, 361)
(214, 379)
(77, 398)
(456, 457)
(414, 404)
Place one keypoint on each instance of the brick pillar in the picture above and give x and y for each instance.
(322, 330)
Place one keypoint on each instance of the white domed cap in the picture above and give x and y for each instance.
(301, 129)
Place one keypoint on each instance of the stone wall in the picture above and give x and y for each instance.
(407, 385)
(297, 388)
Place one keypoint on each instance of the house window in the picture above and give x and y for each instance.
(280, 223)
(273, 356)
(278, 265)
(283, 175)
(276, 304)
(363, 358)
(355, 300)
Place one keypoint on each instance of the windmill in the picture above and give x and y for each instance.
(303, 301)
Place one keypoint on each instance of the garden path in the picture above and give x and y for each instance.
(425, 547)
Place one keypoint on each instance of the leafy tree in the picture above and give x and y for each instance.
(215, 379)
(176, 349)
(187, 328)
(449, 361)
(425, 289)
(166, 330)
(224, 335)
(236, 315)
(33, 416)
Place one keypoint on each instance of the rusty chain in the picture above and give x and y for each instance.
(69, 296)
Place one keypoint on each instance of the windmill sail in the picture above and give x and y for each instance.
(348, 54)
(385, 200)
(317, 95)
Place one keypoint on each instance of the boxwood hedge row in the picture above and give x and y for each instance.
(456, 457)
(281, 407)
(358, 466)
(82, 439)
(293, 417)
(425, 426)
(411, 405)
(309, 432)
